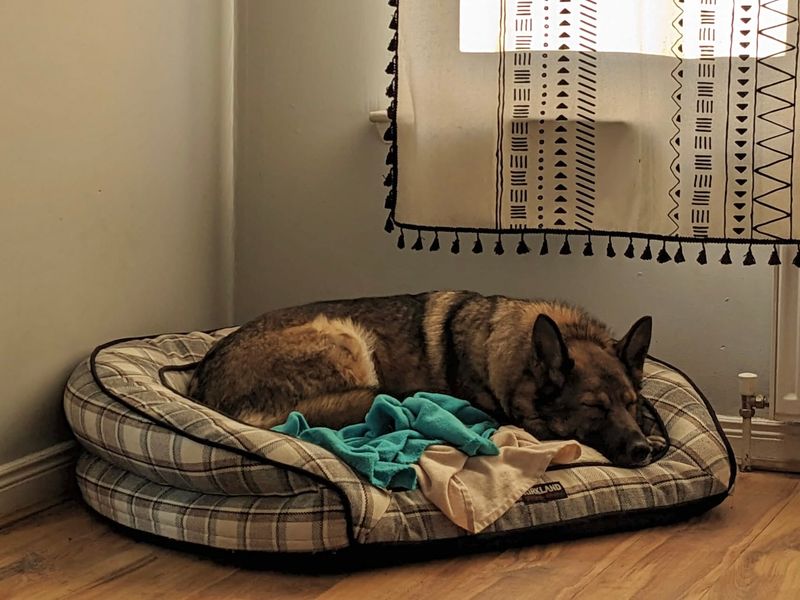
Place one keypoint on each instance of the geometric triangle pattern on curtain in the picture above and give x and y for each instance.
(661, 122)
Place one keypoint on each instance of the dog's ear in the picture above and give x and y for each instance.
(551, 358)
(632, 349)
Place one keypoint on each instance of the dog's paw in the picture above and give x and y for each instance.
(657, 444)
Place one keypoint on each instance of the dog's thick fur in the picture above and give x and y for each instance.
(545, 366)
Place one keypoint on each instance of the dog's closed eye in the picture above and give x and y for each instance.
(596, 401)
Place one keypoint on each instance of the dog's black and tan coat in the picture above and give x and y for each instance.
(544, 366)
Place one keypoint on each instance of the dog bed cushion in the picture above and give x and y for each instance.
(158, 462)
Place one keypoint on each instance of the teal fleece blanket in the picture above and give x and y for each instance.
(396, 433)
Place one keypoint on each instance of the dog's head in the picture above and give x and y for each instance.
(590, 392)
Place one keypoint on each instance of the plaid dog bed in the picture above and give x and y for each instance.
(158, 462)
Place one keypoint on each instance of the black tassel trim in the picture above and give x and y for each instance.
(702, 258)
(391, 199)
(544, 249)
(390, 181)
(456, 247)
(749, 259)
(498, 247)
(774, 258)
(663, 255)
(630, 251)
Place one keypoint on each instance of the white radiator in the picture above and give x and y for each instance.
(786, 387)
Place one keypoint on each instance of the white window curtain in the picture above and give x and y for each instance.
(661, 122)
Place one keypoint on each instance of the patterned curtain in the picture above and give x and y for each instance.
(642, 125)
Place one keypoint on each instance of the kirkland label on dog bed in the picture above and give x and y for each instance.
(544, 492)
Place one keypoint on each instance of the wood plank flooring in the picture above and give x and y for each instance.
(749, 547)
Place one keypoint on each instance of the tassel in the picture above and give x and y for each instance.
(774, 258)
(796, 261)
(522, 247)
(391, 91)
(393, 22)
(679, 257)
(565, 249)
(388, 181)
(663, 255)
(391, 155)
(544, 249)
(435, 243)
(393, 3)
(391, 198)
(477, 248)
(629, 251)
(389, 226)
(401, 241)
(418, 244)
(389, 134)
(498, 247)
(749, 259)
(702, 258)
(610, 252)
(391, 111)
(587, 249)
(726, 257)
(391, 68)
(456, 247)
(648, 253)
(393, 44)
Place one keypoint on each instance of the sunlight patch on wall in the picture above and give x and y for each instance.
(708, 28)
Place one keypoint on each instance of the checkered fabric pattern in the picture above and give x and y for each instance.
(299, 522)
(156, 461)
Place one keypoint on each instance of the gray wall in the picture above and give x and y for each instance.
(309, 212)
(110, 186)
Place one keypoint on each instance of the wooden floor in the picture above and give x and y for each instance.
(749, 547)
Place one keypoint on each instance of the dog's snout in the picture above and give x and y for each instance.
(639, 452)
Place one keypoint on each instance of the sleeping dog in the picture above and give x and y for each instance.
(544, 366)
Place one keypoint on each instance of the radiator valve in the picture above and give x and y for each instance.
(751, 400)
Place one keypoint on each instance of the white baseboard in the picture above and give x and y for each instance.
(775, 445)
(39, 479)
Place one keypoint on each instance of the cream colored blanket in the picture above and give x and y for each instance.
(475, 491)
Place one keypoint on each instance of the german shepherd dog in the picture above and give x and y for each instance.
(547, 367)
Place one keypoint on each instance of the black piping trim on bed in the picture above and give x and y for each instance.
(731, 455)
(591, 525)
